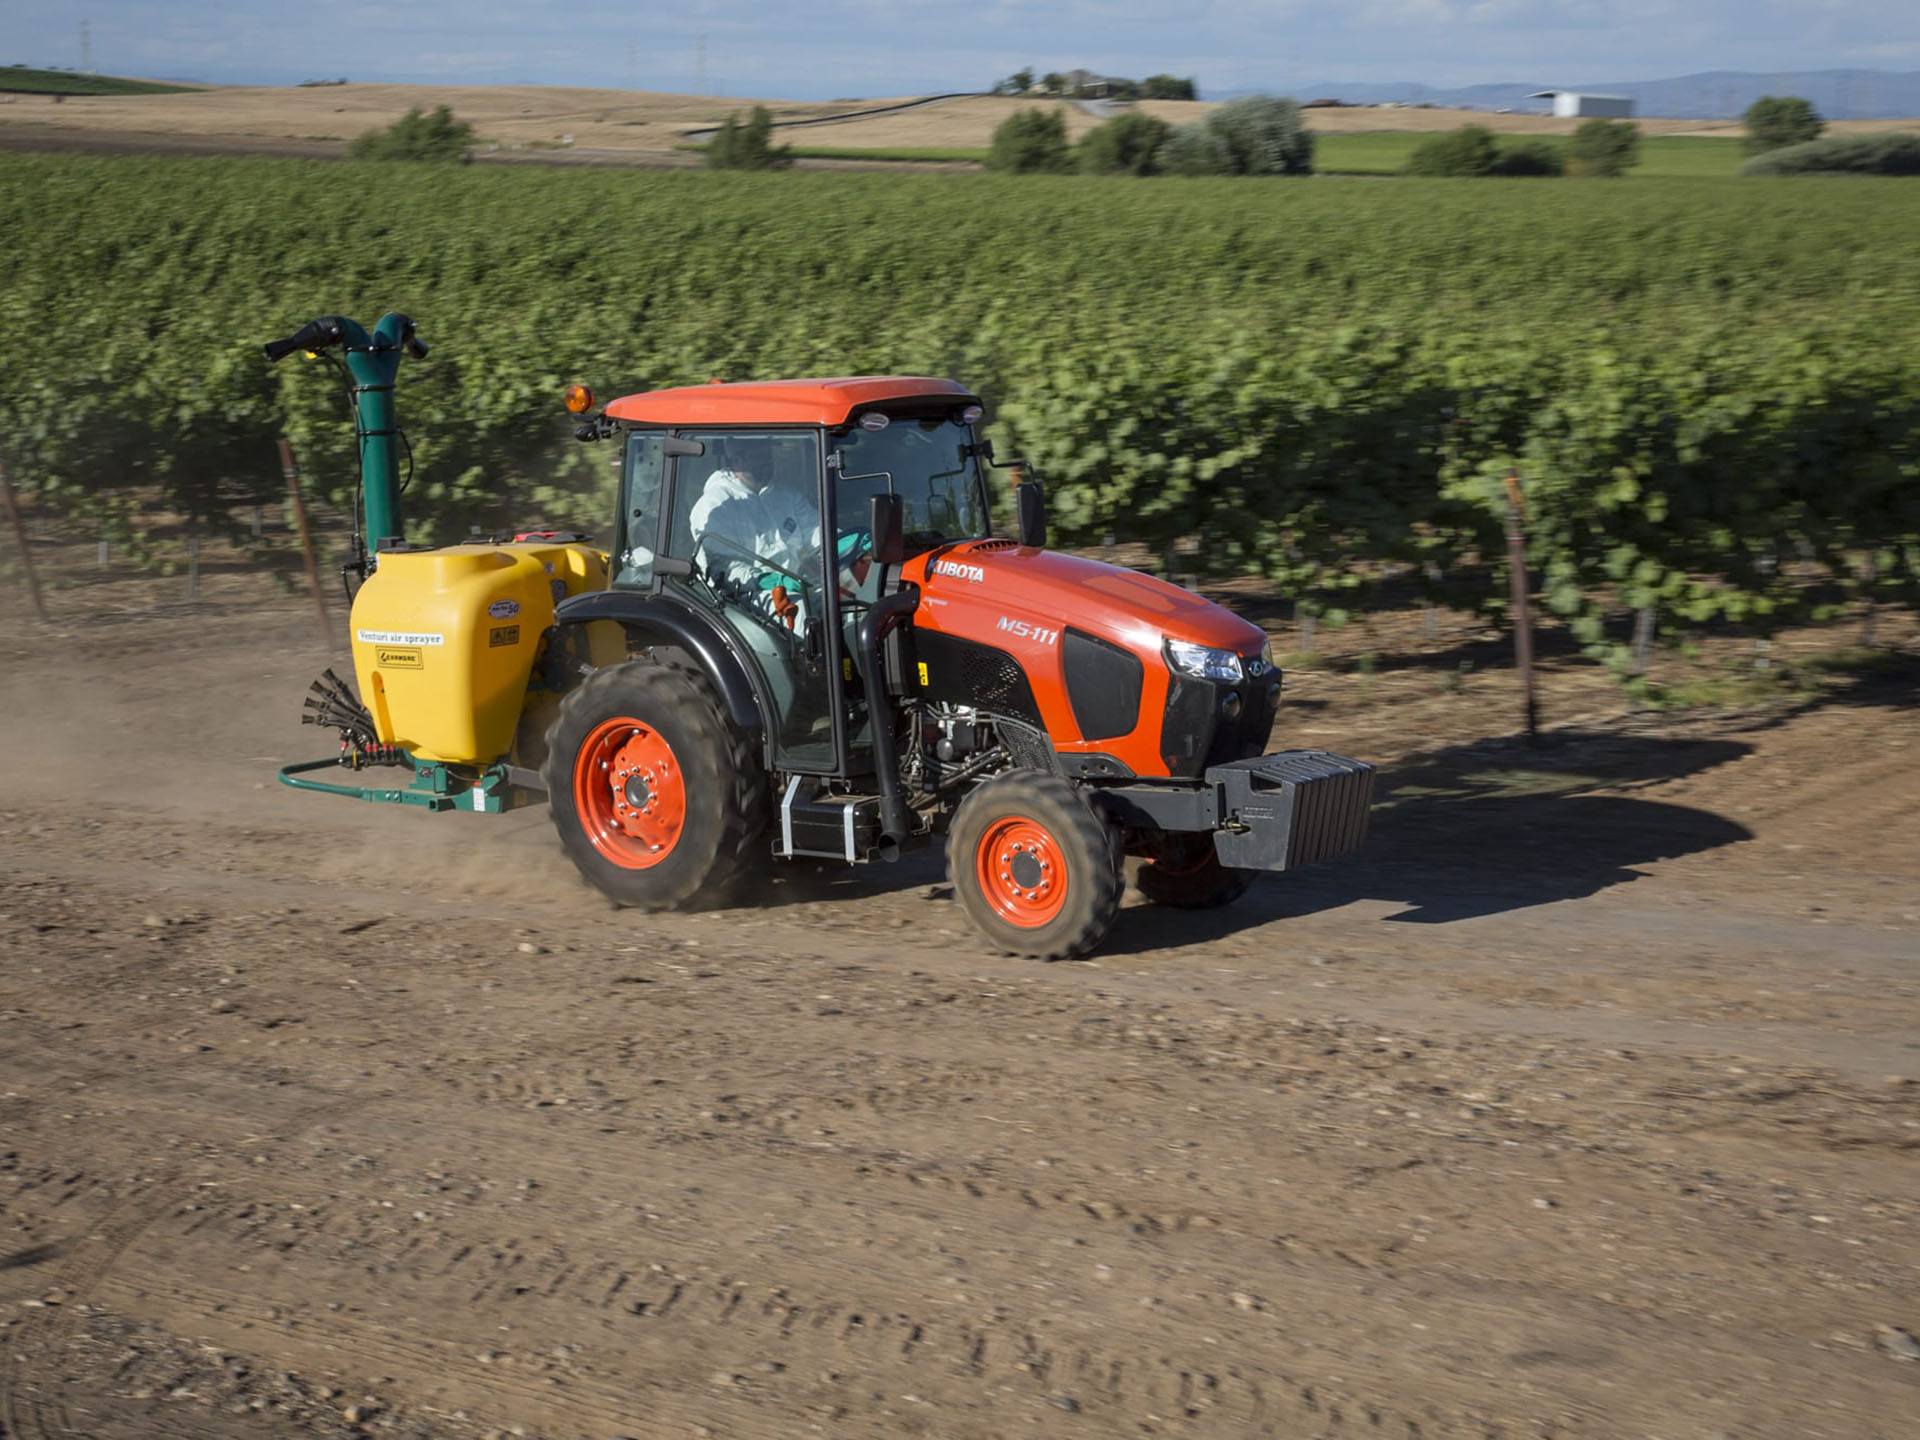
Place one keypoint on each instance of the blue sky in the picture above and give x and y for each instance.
(832, 48)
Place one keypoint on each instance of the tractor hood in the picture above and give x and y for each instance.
(1045, 588)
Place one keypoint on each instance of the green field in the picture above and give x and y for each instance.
(25, 80)
(951, 155)
(1705, 388)
(1386, 152)
(1381, 152)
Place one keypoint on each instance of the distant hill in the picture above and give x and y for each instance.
(25, 80)
(1711, 95)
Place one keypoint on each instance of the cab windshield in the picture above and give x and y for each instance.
(926, 462)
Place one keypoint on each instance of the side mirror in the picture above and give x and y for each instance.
(886, 523)
(1031, 497)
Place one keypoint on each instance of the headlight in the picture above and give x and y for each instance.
(1202, 663)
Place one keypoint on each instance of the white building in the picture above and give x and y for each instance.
(1572, 105)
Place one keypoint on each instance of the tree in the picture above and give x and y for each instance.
(1603, 148)
(1264, 135)
(1167, 87)
(1894, 154)
(1530, 157)
(1128, 144)
(1021, 81)
(417, 136)
(748, 146)
(1195, 150)
(1470, 150)
(1053, 82)
(1774, 121)
(1031, 142)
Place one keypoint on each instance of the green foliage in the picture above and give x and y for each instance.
(1264, 135)
(1709, 390)
(1530, 157)
(435, 137)
(1168, 87)
(1031, 142)
(1128, 144)
(1470, 150)
(1603, 148)
(26, 80)
(747, 145)
(1195, 149)
(1897, 153)
(1018, 83)
(1774, 121)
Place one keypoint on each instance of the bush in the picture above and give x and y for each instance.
(1195, 149)
(1031, 142)
(1776, 121)
(1167, 87)
(1603, 148)
(1264, 135)
(417, 136)
(747, 146)
(1128, 144)
(1530, 157)
(1895, 154)
(1470, 150)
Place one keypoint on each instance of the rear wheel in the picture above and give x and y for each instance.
(1034, 867)
(1186, 874)
(658, 797)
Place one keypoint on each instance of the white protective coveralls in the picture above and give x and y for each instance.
(765, 522)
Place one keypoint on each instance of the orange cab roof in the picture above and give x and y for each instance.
(778, 402)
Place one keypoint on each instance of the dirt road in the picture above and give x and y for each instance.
(1584, 1106)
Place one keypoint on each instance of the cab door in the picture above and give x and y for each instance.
(745, 515)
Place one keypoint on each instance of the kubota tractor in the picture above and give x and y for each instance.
(807, 640)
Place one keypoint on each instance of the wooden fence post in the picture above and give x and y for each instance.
(1522, 608)
(20, 540)
(298, 506)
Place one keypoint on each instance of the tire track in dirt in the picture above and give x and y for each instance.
(41, 1415)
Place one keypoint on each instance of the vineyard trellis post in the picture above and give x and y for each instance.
(20, 542)
(291, 470)
(1522, 606)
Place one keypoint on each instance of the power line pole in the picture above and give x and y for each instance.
(86, 47)
(700, 63)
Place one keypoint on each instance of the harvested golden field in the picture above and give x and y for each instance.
(540, 117)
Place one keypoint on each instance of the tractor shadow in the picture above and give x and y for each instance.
(1486, 829)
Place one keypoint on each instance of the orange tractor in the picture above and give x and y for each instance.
(807, 640)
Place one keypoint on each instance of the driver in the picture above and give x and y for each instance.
(739, 504)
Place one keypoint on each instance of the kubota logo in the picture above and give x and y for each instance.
(1027, 630)
(960, 571)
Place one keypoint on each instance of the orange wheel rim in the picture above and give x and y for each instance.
(1020, 871)
(629, 793)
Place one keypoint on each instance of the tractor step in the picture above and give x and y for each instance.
(813, 821)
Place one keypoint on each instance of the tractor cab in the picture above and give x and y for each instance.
(770, 528)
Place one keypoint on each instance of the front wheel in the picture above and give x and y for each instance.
(1186, 874)
(1034, 867)
(656, 794)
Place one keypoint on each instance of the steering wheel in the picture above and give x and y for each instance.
(710, 537)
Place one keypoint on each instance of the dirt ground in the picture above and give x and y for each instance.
(1583, 1105)
(555, 124)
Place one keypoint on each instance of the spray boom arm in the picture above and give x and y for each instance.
(372, 362)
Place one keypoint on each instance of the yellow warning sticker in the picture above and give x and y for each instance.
(500, 635)
(394, 657)
(923, 672)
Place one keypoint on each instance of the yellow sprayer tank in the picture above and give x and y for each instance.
(444, 640)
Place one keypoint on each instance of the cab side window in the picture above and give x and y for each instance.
(642, 470)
